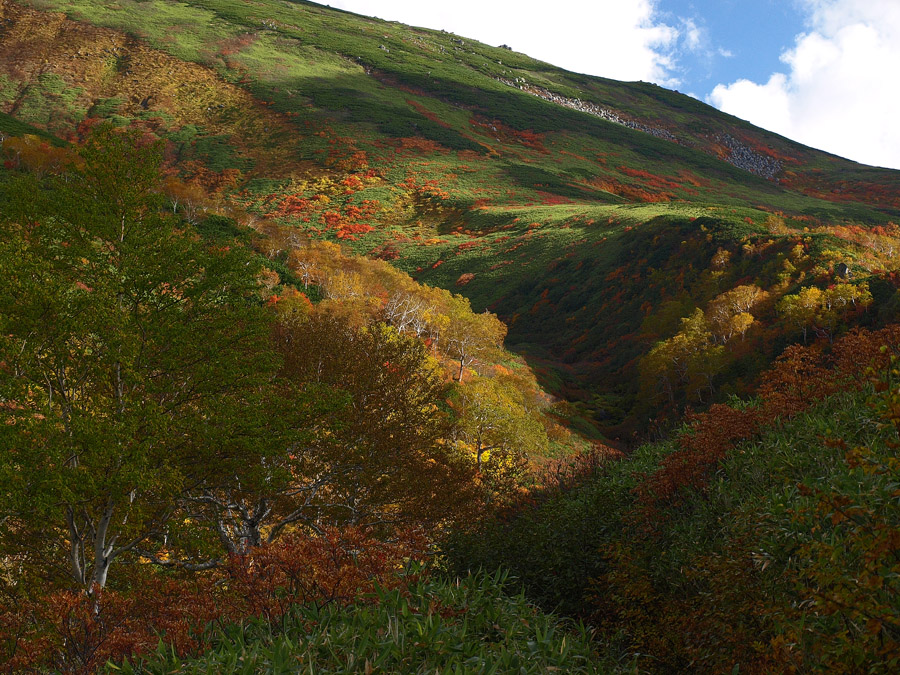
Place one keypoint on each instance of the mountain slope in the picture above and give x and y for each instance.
(759, 539)
(567, 204)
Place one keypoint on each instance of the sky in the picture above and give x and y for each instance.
(825, 73)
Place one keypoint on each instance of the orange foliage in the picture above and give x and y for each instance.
(351, 230)
(235, 44)
(549, 199)
(291, 206)
(430, 190)
(649, 178)
(801, 376)
(339, 566)
(867, 192)
(422, 146)
(74, 633)
(630, 192)
(34, 154)
(506, 134)
(387, 251)
(344, 154)
(425, 112)
(209, 180)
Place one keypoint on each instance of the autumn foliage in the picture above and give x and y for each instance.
(74, 633)
(352, 432)
(639, 276)
(724, 548)
(800, 377)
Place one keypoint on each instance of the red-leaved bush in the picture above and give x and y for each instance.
(71, 632)
(800, 377)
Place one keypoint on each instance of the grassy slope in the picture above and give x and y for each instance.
(545, 207)
(10, 126)
(439, 626)
(777, 550)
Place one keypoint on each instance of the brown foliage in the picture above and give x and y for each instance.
(71, 632)
(682, 632)
(711, 435)
(712, 616)
(339, 566)
(505, 134)
(34, 154)
(567, 472)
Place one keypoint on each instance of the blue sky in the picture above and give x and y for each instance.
(738, 39)
(823, 72)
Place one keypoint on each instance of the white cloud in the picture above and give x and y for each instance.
(841, 91)
(624, 40)
(696, 49)
(694, 36)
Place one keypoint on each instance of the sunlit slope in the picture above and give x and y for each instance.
(388, 81)
(591, 215)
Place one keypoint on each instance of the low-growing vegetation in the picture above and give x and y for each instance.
(438, 625)
(762, 538)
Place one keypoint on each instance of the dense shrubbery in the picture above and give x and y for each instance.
(73, 632)
(433, 625)
(763, 538)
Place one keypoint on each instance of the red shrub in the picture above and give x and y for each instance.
(73, 633)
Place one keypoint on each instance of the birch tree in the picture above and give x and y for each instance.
(131, 360)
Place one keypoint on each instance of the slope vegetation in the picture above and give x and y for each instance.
(761, 539)
(565, 203)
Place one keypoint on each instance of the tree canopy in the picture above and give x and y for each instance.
(131, 358)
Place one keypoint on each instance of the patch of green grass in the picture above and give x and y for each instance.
(183, 30)
(8, 89)
(105, 107)
(445, 626)
(217, 153)
(13, 127)
(217, 228)
(49, 102)
(281, 60)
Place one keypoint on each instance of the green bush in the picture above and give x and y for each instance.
(791, 545)
(468, 625)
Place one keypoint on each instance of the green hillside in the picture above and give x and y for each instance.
(762, 538)
(473, 168)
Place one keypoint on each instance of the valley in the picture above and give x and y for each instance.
(488, 305)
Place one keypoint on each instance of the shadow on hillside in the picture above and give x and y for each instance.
(365, 100)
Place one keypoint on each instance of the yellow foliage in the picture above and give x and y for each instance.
(107, 64)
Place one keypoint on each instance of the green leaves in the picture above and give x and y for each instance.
(467, 625)
(133, 358)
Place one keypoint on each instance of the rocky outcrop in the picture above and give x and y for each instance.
(587, 107)
(744, 157)
(740, 154)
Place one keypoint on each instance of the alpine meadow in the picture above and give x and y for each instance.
(333, 345)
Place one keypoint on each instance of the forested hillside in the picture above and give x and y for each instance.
(336, 344)
(590, 215)
(179, 414)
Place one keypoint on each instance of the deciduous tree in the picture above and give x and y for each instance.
(497, 426)
(470, 336)
(130, 360)
(369, 449)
